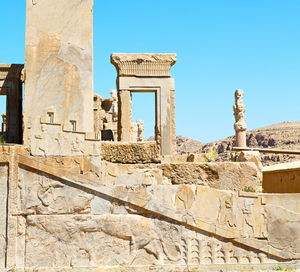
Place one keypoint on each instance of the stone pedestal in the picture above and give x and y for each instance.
(59, 66)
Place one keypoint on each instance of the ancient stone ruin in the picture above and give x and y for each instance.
(239, 115)
(81, 190)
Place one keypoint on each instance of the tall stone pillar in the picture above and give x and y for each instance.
(239, 114)
(59, 66)
(124, 115)
(11, 86)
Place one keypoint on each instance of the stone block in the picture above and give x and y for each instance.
(59, 66)
(145, 152)
(225, 175)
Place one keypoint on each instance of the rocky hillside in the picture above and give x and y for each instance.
(186, 145)
(285, 135)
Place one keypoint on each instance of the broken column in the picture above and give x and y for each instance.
(239, 114)
(59, 67)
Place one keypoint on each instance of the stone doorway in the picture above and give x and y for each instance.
(144, 109)
(11, 80)
(147, 73)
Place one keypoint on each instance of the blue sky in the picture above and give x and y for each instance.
(221, 46)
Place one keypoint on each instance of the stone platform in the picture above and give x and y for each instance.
(87, 214)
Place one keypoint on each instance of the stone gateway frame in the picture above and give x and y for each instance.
(147, 73)
(11, 80)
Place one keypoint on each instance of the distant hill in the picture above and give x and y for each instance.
(186, 145)
(285, 135)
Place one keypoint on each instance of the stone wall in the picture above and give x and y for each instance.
(83, 212)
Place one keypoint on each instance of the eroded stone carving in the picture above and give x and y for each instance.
(196, 251)
(114, 97)
(239, 115)
(143, 64)
(140, 130)
(44, 195)
(42, 143)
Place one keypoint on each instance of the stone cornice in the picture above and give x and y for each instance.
(143, 64)
(11, 71)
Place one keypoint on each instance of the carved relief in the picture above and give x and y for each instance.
(142, 236)
(41, 194)
(77, 146)
(42, 142)
(197, 251)
(133, 132)
(114, 97)
(239, 112)
(227, 214)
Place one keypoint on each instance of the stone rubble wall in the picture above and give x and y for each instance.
(83, 212)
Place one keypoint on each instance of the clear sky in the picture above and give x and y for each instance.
(221, 46)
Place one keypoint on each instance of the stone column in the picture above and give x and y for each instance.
(11, 85)
(59, 65)
(125, 115)
(239, 114)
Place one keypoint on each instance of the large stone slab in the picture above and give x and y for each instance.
(126, 240)
(225, 175)
(3, 212)
(59, 66)
(145, 152)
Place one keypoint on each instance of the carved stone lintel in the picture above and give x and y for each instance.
(11, 71)
(143, 64)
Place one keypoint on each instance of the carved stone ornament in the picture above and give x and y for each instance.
(143, 64)
(239, 112)
(11, 71)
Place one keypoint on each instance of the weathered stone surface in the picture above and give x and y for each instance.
(52, 141)
(118, 174)
(196, 158)
(239, 115)
(145, 152)
(86, 241)
(147, 73)
(283, 229)
(143, 64)
(64, 219)
(226, 175)
(3, 212)
(59, 67)
(286, 201)
(40, 194)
